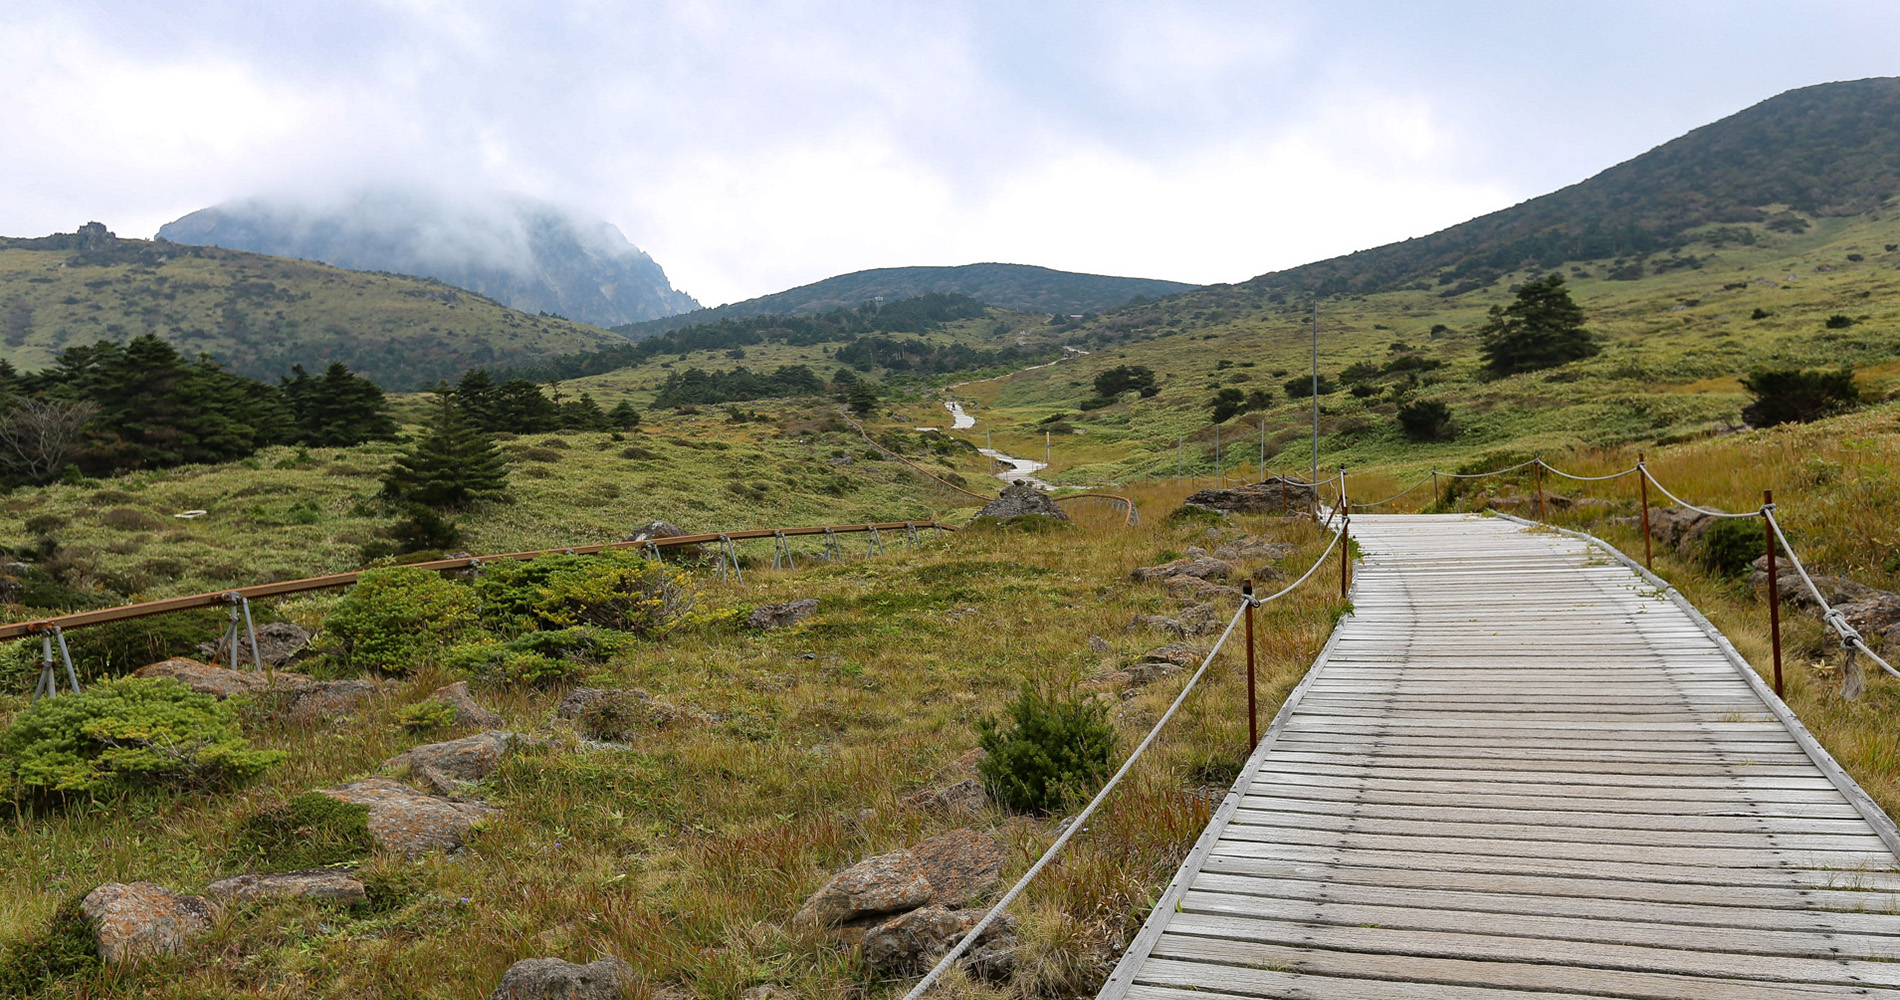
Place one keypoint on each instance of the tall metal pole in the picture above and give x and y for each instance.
(1540, 492)
(1253, 721)
(1774, 585)
(1045, 449)
(1345, 537)
(1642, 478)
(1316, 393)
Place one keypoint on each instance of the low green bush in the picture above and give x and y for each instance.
(127, 734)
(393, 618)
(1032, 524)
(64, 948)
(425, 716)
(1052, 753)
(1730, 545)
(616, 590)
(312, 830)
(495, 664)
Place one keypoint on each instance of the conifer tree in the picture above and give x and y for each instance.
(452, 465)
(337, 410)
(1542, 329)
(623, 416)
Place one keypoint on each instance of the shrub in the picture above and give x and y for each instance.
(1120, 379)
(1426, 420)
(1193, 514)
(1730, 545)
(126, 734)
(617, 590)
(312, 830)
(1053, 755)
(393, 617)
(498, 665)
(425, 716)
(1788, 396)
(62, 949)
(1839, 321)
(1301, 387)
(1760, 313)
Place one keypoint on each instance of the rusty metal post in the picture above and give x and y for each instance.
(1285, 511)
(1642, 479)
(1345, 537)
(1540, 491)
(1774, 586)
(1434, 487)
(1253, 721)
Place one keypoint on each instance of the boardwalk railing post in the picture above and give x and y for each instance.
(1345, 537)
(1253, 721)
(1642, 480)
(1540, 491)
(1434, 488)
(1774, 585)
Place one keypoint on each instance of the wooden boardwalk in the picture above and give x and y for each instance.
(1519, 770)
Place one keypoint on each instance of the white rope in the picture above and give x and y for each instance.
(1076, 824)
(1391, 498)
(1493, 472)
(1680, 502)
(1587, 479)
(1850, 637)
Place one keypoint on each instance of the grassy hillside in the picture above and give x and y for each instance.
(260, 315)
(1009, 286)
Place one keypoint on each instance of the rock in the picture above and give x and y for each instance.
(1097, 644)
(616, 714)
(277, 644)
(768, 992)
(139, 918)
(326, 884)
(1878, 615)
(408, 822)
(467, 712)
(1250, 549)
(1158, 623)
(1838, 590)
(1196, 589)
(609, 978)
(1181, 654)
(883, 884)
(771, 616)
(964, 796)
(1200, 567)
(1198, 619)
(924, 935)
(319, 701)
(1258, 498)
(1678, 528)
(445, 767)
(218, 681)
(1021, 498)
(961, 865)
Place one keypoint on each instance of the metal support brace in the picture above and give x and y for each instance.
(49, 677)
(733, 555)
(782, 550)
(876, 545)
(241, 615)
(833, 551)
(1134, 513)
(653, 551)
(910, 530)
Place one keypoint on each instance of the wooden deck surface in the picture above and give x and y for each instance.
(1519, 769)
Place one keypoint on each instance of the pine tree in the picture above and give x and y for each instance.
(1542, 329)
(623, 416)
(861, 397)
(338, 410)
(452, 465)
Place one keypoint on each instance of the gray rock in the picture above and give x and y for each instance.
(467, 712)
(609, 978)
(666, 529)
(961, 865)
(1264, 497)
(922, 936)
(326, 884)
(140, 918)
(1838, 590)
(1678, 528)
(1200, 566)
(771, 616)
(277, 644)
(1181, 654)
(887, 883)
(1875, 616)
(219, 682)
(963, 796)
(1018, 499)
(411, 823)
(320, 701)
(446, 767)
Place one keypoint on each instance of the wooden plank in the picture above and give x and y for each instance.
(1727, 849)
(1730, 820)
(1534, 794)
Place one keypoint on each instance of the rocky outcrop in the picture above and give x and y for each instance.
(1018, 499)
(772, 616)
(327, 884)
(467, 712)
(277, 644)
(320, 701)
(609, 978)
(1838, 590)
(963, 796)
(961, 865)
(1678, 528)
(446, 767)
(1878, 615)
(1196, 619)
(1196, 564)
(922, 936)
(1265, 497)
(1248, 548)
(140, 918)
(884, 884)
(219, 682)
(411, 823)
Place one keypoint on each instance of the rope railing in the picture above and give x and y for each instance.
(1851, 640)
(1076, 823)
(1130, 516)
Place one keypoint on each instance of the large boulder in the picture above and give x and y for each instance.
(139, 918)
(1018, 499)
(219, 682)
(1678, 528)
(1197, 564)
(327, 884)
(922, 936)
(446, 767)
(888, 883)
(411, 823)
(1838, 590)
(770, 616)
(609, 978)
(277, 644)
(961, 865)
(1271, 496)
(1875, 616)
(321, 701)
(467, 712)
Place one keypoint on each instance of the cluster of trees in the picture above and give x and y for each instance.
(914, 315)
(696, 386)
(1124, 378)
(914, 355)
(520, 407)
(107, 407)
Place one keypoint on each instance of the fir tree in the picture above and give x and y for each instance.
(338, 410)
(861, 397)
(1542, 329)
(452, 465)
(623, 416)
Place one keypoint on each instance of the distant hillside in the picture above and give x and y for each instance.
(528, 254)
(1021, 287)
(260, 315)
(1821, 151)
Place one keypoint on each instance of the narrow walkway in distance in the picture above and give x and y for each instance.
(1518, 770)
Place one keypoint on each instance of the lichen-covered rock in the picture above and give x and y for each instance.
(1181, 654)
(1196, 589)
(1678, 528)
(320, 701)
(1272, 496)
(609, 978)
(961, 865)
(1838, 590)
(963, 796)
(1200, 566)
(922, 936)
(1248, 548)
(326, 884)
(411, 823)
(771, 616)
(277, 644)
(445, 767)
(1878, 615)
(139, 918)
(1020, 498)
(887, 883)
(219, 682)
(1198, 619)
(467, 712)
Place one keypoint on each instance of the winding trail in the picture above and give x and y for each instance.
(1021, 470)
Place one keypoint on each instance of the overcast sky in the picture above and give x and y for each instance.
(753, 147)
